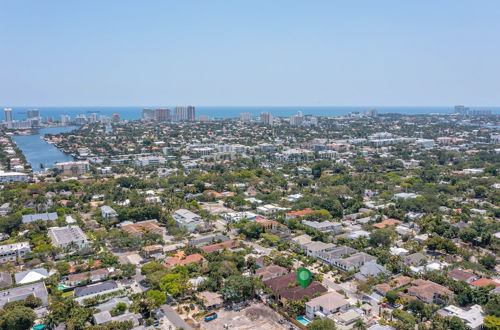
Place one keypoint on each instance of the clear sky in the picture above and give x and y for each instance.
(250, 52)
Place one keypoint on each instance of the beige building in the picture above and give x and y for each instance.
(73, 168)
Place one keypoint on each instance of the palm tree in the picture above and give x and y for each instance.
(360, 324)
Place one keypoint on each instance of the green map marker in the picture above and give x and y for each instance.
(304, 277)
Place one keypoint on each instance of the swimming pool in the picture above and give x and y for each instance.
(303, 320)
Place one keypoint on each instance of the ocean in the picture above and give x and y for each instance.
(126, 112)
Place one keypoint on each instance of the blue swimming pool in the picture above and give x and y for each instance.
(303, 320)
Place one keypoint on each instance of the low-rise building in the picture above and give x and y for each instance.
(325, 226)
(28, 218)
(430, 292)
(68, 237)
(14, 252)
(13, 177)
(142, 227)
(107, 212)
(325, 305)
(472, 317)
(73, 168)
(187, 220)
(91, 276)
(22, 292)
(316, 247)
(30, 276)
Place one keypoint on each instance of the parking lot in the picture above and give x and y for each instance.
(255, 317)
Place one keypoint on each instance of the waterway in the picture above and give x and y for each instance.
(37, 151)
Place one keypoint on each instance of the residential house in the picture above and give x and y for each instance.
(209, 239)
(458, 274)
(370, 269)
(151, 250)
(301, 213)
(31, 276)
(473, 317)
(353, 262)
(325, 226)
(335, 253)
(386, 223)
(286, 288)
(269, 272)
(430, 292)
(231, 244)
(211, 300)
(68, 237)
(302, 240)
(316, 247)
(483, 282)
(22, 292)
(14, 252)
(187, 220)
(175, 261)
(93, 290)
(141, 227)
(90, 276)
(28, 218)
(415, 259)
(105, 317)
(108, 213)
(325, 305)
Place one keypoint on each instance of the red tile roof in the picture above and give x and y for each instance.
(300, 213)
(484, 282)
(219, 246)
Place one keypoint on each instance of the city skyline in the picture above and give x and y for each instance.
(279, 53)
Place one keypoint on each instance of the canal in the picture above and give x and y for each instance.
(37, 151)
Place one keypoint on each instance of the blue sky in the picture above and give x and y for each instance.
(236, 52)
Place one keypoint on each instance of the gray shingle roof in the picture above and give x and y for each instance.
(95, 288)
(40, 216)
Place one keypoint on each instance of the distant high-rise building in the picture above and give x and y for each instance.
(245, 116)
(81, 119)
(148, 114)
(8, 114)
(479, 112)
(204, 118)
(191, 113)
(162, 114)
(266, 118)
(65, 119)
(93, 117)
(371, 113)
(461, 110)
(297, 119)
(33, 113)
(115, 118)
(180, 114)
(49, 119)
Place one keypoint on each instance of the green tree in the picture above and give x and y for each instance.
(174, 284)
(237, 287)
(492, 322)
(322, 324)
(489, 261)
(157, 296)
(392, 296)
(21, 318)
